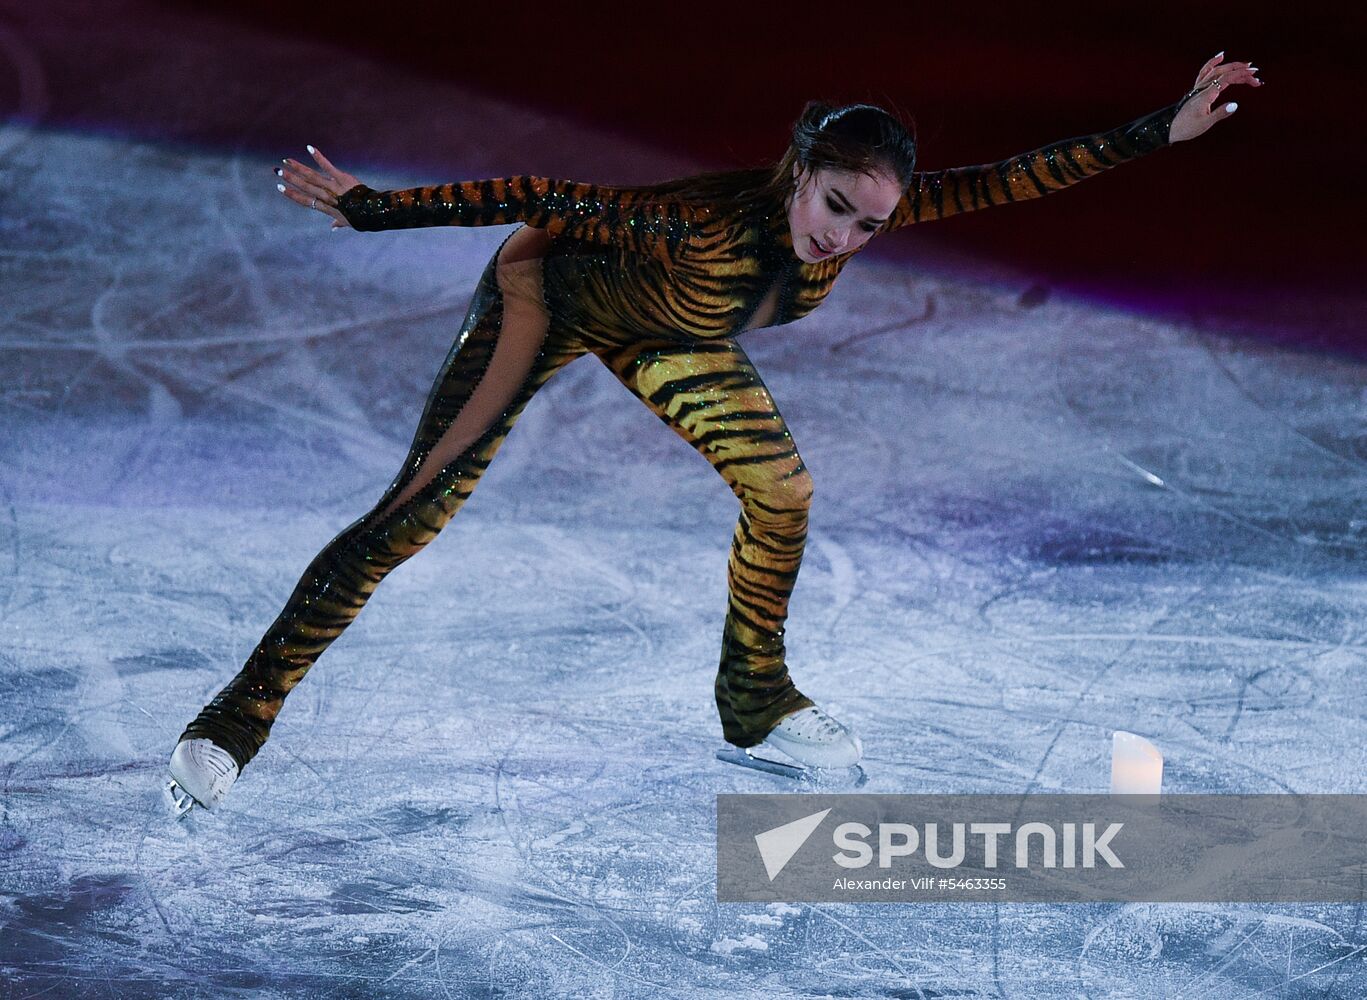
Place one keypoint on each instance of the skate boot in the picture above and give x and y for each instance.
(201, 771)
(814, 739)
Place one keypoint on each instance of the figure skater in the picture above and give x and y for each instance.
(657, 282)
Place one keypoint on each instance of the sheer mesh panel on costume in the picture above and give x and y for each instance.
(506, 350)
(525, 323)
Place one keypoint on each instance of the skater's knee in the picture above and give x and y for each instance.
(785, 499)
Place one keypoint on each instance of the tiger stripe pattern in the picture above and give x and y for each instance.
(940, 193)
(657, 290)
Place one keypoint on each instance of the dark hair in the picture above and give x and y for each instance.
(861, 138)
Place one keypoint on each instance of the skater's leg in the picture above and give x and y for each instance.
(488, 378)
(504, 353)
(711, 395)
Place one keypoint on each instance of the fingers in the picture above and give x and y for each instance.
(1215, 77)
(1208, 70)
(1221, 84)
(301, 196)
(309, 181)
(311, 188)
(1232, 73)
(333, 179)
(327, 164)
(302, 186)
(1226, 73)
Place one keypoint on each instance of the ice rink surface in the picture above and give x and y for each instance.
(1035, 523)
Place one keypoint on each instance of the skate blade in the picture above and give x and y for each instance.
(826, 777)
(177, 799)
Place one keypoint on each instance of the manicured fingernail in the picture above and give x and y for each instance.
(1219, 54)
(1231, 107)
(279, 172)
(311, 149)
(280, 188)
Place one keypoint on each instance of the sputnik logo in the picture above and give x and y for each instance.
(777, 846)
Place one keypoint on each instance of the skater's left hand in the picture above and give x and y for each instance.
(1196, 115)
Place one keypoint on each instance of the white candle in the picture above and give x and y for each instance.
(1136, 766)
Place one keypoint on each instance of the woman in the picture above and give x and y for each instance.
(657, 282)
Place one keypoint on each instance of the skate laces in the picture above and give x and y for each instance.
(214, 758)
(812, 723)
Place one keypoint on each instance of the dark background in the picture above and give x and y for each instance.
(1253, 228)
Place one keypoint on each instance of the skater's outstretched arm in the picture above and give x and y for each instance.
(939, 193)
(645, 224)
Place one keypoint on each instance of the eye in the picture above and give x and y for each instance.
(835, 206)
(868, 228)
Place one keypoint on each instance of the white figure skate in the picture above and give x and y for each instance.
(809, 742)
(201, 772)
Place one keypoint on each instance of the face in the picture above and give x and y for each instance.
(837, 211)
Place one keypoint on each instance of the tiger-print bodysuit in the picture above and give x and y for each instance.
(657, 290)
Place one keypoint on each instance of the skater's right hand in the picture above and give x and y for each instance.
(314, 188)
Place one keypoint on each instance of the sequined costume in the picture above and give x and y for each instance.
(657, 289)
